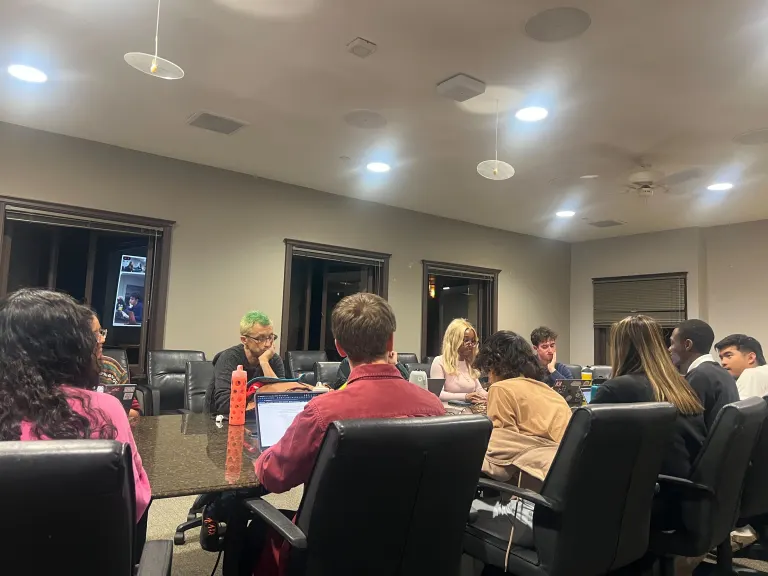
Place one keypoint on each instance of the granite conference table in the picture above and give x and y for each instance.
(189, 454)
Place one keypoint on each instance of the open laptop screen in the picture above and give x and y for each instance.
(275, 412)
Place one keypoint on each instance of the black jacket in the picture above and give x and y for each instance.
(715, 388)
(227, 362)
(690, 431)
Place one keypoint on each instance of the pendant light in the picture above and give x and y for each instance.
(152, 64)
(496, 169)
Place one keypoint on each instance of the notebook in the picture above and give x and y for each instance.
(275, 412)
(123, 392)
(435, 385)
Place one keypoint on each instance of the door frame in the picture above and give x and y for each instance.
(156, 330)
(341, 251)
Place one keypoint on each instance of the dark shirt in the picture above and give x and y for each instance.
(715, 388)
(342, 374)
(226, 363)
(562, 372)
(690, 431)
(138, 311)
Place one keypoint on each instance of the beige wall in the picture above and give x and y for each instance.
(232, 226)
(727, 276)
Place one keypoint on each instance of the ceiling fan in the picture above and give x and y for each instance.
(646, 181)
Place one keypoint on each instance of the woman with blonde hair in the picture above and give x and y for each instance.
(643, 372)
(455, 365)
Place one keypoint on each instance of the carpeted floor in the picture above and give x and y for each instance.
(190, 559)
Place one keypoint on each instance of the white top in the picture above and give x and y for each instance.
(456, 386)
(700, 360)
(753, 382)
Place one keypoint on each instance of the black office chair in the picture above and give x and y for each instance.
(429, 360)
(407, 358)
(422, 367)
(70, 509)
(197, 380)
(119, 355)
(575, 370)
(300, 362)
(325, 372)
(594, 510)
(754, 500)
(700, 512)
(601, 373)
(407, 488)
(166, 372)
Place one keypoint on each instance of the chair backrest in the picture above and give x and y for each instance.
(575, 370)
(391, 496)
(198, 379)
(167, 372)
(119, 355)
(422, 367)
(603, 478)
(407, 358)
(69, 507)
(722, 466)
(325, 372)
(300, 362)
(754, 498)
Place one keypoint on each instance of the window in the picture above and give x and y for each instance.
(104, 259)
(455, 291)
(317, 277)
(662, 297)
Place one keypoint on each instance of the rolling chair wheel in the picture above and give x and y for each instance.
(179, 538)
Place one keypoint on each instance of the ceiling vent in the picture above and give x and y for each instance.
(361, 47)
(460, 88)
(606, 223)
(214, 123)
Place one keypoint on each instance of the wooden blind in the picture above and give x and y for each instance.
(660, 297)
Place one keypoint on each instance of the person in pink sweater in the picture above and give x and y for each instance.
(48, 371)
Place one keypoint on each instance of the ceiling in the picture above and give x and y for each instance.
(668, 84)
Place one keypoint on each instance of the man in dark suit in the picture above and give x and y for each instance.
(690, 344)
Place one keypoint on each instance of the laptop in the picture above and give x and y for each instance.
(123, 392)
(571, 390)
(587, 392)
(435, 385)
(275, 412)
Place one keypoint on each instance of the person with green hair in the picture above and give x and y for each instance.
(256, 354)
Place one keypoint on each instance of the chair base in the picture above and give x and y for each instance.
(179, 537)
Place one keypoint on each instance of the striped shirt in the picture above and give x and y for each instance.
(112, 373)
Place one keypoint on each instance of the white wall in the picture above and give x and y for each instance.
(727, 276)
(236, 225)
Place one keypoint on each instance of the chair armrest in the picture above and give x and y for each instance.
(282, 525)
(149, 400)
(684, 485)
(522, 493)
(156, 559)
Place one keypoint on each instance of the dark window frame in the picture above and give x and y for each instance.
(158, 305)
(292, 244)
(431, 267)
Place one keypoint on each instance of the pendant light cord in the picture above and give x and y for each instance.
(157, 29)
(497, 134)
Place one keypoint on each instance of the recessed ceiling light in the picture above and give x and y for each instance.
(378, 167)
(720, 186)
(531, 114)
(565, 214)
(589, 176)
(27, 73)
(446, 287)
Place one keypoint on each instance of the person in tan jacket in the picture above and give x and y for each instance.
(529, 421)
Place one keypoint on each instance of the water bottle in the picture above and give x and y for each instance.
(237, 397)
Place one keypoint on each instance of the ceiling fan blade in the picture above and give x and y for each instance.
(682, 176)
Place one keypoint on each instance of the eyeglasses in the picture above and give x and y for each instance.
(102, 333)
(262, 339)
(470, 342)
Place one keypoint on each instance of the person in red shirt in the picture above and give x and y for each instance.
(363, 327)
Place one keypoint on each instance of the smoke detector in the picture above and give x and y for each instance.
(361, 47)
(461, 88)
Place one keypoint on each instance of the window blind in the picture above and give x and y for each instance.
(33, 216)
(441, 270)
(660, 297)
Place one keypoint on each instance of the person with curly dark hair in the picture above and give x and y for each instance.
(48, 372)
(544, 342)
(529, 421)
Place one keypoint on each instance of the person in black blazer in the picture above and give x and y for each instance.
(643, 372)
